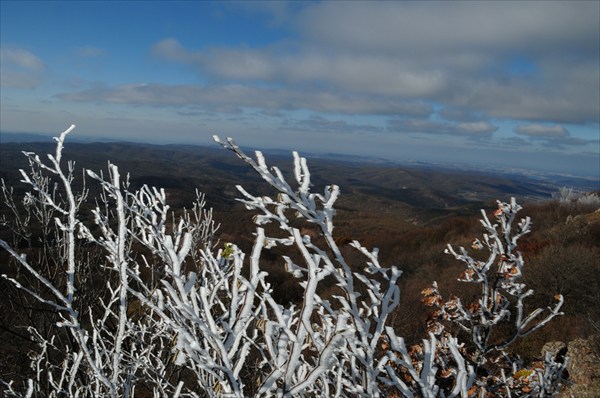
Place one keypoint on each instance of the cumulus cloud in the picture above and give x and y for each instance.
(170, 49)
(20, 68)
(450, 27)
(465, 51)
(364, 73)
(21, 58)
(563, 95)
(542, 131)
(554, 136)
(459, 55)
(233, 96)
(476, 129)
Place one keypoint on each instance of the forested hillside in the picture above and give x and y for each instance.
(409, 214)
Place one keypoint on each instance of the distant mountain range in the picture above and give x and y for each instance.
(439, 180)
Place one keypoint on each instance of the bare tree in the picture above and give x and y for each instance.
(496, 318)
(176, 317)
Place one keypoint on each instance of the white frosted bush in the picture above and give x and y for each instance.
(175, 317)
(565, 195)
(589, 200)
(568, 197)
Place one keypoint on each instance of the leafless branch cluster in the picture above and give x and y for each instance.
(174, 316)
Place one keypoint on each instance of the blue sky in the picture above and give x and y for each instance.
(496, 83)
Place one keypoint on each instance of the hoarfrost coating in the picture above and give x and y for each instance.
(175, 316)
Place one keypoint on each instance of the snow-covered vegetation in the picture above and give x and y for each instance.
(568, 197)
(143, 301)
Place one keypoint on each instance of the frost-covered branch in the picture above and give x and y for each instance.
(501, 301)
(143, 302)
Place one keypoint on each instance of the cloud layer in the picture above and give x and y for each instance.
(521, 60)
(494, 75)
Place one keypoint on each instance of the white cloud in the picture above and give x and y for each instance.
(364, 73)
(20, 68)
(18, 57)
(477, 129)
(415, 28)
(232, 96)
(554, 136)
(564, 94)
(460, 55)
(170, 49)
(538, 130)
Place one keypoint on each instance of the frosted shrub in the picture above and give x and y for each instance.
(568, 197)
(173, 316)
(589, 200)
(498, 274)
(565, 195)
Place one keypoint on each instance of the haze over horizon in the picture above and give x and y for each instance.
(513, 84)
